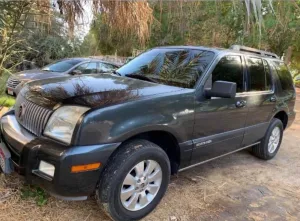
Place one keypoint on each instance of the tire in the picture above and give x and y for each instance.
(263, 150)
(123, 163)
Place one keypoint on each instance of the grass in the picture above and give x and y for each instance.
(20, 201)
(7, 101)
(34, 192)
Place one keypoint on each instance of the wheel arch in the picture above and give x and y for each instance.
(162, 138)
(283, 116)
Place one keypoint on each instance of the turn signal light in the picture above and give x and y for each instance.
(86, 167)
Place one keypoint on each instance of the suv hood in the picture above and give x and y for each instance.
(36, 74)
(92, 90)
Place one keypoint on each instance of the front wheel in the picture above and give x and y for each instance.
(134, 181)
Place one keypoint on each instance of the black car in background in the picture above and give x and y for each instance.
(122, 135)
(61, 68)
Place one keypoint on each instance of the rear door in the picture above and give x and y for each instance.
(260, 98)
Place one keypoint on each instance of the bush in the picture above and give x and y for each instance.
(3, 78)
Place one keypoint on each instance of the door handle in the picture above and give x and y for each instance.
(240, 104)
(273, 99)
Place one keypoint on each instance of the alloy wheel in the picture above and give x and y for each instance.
(141, 185)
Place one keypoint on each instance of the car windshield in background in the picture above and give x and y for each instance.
(61, 66)
(175, 67)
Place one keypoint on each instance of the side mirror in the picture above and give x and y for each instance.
(223, 89)
(76, 72)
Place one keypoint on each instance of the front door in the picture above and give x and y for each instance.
(219, 122)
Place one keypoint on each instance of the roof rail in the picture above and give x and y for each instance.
(254, 51)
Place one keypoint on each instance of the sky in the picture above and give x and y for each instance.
(83, 28)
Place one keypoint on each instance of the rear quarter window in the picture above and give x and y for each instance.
(284, 76)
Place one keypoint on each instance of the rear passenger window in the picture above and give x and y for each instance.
(229, 69)
(259, 75)
(268, 76)
(284, 75)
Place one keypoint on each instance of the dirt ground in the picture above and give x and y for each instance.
(235, 187)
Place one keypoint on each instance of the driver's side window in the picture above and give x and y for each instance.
(229, 68)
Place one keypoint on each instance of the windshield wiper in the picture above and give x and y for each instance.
(141, 77)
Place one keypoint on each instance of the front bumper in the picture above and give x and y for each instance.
(28, 150)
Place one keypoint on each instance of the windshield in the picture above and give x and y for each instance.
(175, 67)
(61, 66)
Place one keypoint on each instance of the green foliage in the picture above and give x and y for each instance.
(13, 16)
(32, 31)
(103, 39)
(48, 48)
(3, 79)
(273, 27)
(7, 101)
(36, 193)
(89, 45)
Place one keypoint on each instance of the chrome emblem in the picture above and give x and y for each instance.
(21, 111)
(203, 143)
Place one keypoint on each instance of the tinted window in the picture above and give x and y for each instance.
(259, 79)
(284, 75)
(268, 75)
(176, 67)
(229, 69)
(61, 66)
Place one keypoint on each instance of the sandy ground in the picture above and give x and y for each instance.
(235, 187)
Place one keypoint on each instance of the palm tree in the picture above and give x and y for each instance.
(126, 16)
(137, 16)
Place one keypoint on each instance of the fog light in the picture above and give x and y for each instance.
(47, 168)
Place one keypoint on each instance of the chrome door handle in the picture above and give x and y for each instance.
(241, 103)
(273, 99)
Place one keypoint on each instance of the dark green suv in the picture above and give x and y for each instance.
(121, 135)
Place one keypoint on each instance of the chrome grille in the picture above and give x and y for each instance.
(12, 82)
(31, 116)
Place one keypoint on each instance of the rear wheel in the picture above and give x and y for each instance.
(270, 144)
(134, 181)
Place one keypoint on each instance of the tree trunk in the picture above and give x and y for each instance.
(288, 55)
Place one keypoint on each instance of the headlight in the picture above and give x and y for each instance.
(62, 123)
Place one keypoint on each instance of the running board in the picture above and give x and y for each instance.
(197, 164)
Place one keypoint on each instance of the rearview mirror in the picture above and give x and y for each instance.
(223, 89)
(76, 72)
